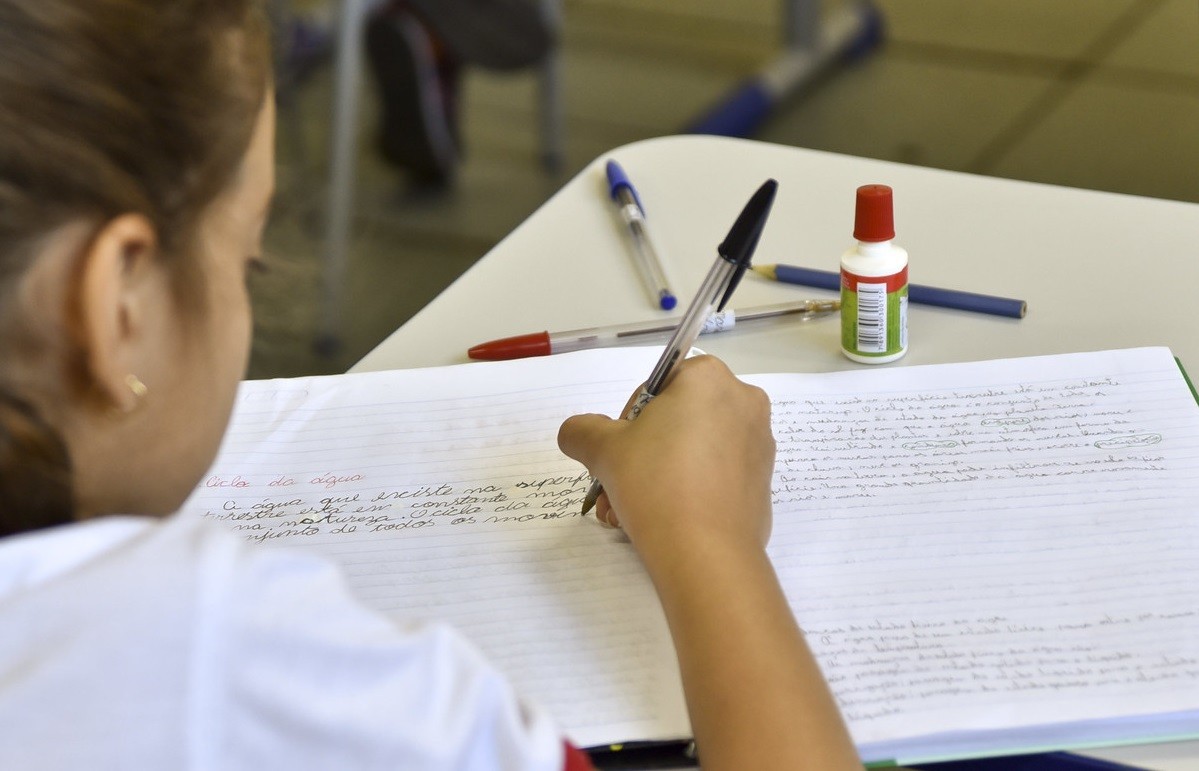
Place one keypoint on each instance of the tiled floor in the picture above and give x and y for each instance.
(1100, 94)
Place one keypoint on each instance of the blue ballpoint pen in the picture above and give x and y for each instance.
(633, 214)
(733, 257)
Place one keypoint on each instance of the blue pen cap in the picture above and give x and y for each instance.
(617, 179)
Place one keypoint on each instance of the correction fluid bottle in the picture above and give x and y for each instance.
(874, 283)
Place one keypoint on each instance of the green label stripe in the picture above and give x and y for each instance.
(896, 334)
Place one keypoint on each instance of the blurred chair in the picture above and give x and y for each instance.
(343, 145)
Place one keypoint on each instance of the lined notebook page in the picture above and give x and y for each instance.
(976, 551)
(994, 545)
(443, 494)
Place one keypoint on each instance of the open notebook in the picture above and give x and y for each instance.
(986, 557)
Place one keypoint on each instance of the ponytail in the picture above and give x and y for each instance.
(35, 470)
(107, 107)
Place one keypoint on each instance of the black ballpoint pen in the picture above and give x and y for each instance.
(733, 258)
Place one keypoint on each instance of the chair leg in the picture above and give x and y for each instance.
(343, 148)
(550, 96)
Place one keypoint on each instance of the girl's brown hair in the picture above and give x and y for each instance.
(108, 107)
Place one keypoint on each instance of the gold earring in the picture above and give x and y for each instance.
(136, 386)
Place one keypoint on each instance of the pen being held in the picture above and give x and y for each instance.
(733, 258)
(704, 419)
(689, 483)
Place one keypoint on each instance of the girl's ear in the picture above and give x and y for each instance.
(116, 286)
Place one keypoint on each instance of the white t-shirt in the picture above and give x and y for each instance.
(134, 643)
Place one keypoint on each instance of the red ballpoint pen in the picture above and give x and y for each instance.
(546, 343)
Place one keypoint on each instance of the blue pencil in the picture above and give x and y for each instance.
(917, 293)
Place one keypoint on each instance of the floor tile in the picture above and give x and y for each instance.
(391, 275)
(706, 34)
(1108, 137)
(903, 109)
(638, 95)
(1167, 42)
(1059, 29)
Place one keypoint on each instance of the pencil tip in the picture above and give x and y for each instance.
(765, 270)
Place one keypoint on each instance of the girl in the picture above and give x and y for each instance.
(136, 141)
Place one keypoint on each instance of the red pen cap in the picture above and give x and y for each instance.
(519, 347)
(874, 218)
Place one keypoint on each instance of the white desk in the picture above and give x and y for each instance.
(1098, 270)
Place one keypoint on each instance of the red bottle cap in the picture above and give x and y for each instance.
(874, 218)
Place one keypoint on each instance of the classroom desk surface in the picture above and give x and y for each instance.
(1098, 270)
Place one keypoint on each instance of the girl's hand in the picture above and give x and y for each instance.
(696, 464)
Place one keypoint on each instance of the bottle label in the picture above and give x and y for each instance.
(874, 313)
